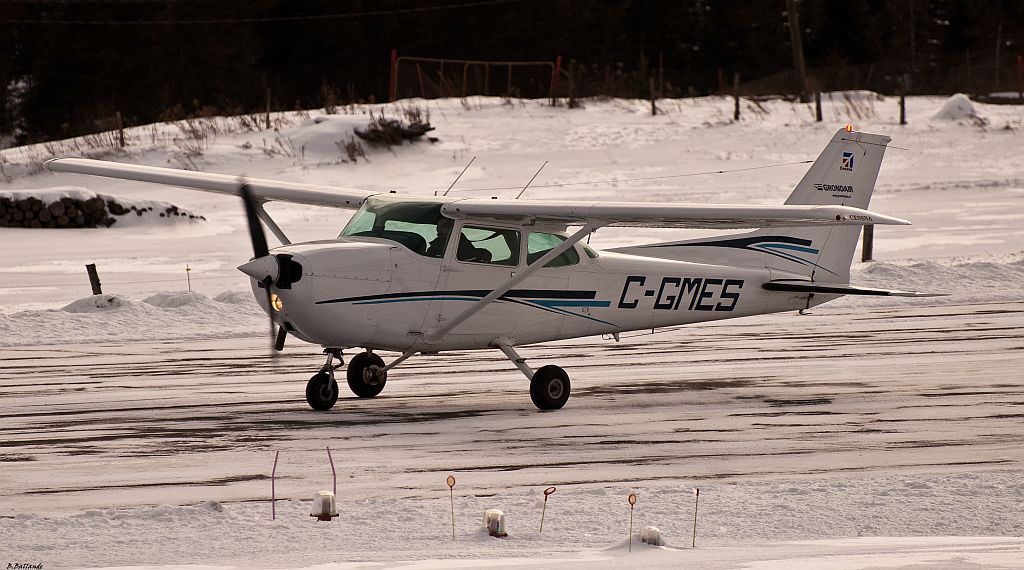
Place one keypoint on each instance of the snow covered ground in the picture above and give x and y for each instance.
(873, 433)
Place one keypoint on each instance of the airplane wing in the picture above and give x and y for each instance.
(261, 189)
(664, 215)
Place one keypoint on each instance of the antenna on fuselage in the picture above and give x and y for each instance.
(531, 180)
(459, 176)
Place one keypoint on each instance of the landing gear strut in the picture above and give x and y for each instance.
(549, 385)
(322, 390)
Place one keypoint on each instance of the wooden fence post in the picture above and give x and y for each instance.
(1020, 76)
(268, 108)
(120, 130)
(555, 78)
(393, 76)
(94, 279)
(736, 96)
(661, 74)
(867, 245)
(650, 86)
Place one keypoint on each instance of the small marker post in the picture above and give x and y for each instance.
(188, 276)
(334, 473)
(451, 491)
(696, 500)
(273, 490)
(547, 493)
(632, 503)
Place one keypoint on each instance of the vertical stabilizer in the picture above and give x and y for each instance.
(844, 174)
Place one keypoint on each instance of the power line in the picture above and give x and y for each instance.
(105, 282)
(256, 20)
(638, 179)
(84, 2)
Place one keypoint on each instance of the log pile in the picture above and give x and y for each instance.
(392, 132)
(97, 212)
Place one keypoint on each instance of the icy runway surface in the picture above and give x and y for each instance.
(843, 423)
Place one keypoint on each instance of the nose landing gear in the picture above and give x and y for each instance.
(322, 389)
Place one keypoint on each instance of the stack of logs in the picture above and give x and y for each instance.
(96, 212)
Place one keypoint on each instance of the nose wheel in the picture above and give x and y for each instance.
(322, 391)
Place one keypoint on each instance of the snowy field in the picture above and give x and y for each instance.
(140, 427)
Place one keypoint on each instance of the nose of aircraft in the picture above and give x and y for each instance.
(262, 268)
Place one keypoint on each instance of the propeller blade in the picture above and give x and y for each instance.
(281, 335)
(261, 261)
(259, 239)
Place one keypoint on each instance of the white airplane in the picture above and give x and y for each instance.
(430, 274)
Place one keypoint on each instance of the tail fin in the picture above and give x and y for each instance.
(844, 174)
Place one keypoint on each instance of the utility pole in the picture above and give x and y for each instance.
(798, 50)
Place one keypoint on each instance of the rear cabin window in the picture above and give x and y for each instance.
(494, 246)
(540, 243)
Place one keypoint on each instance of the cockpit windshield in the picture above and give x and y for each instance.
(419, 226)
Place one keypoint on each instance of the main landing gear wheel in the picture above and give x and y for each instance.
(549, 388)
(366, 375)
(322, 391)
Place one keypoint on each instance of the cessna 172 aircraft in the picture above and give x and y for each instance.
(430, 274)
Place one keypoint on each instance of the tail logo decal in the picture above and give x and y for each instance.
(847, 162)
(837, 190)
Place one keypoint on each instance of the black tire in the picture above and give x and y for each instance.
(356, 383)
(549, 388)
(321, 392)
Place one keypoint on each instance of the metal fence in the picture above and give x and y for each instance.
(432, 78)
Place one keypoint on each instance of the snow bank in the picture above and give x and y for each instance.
(985, 279)
(97, 304)
(957, 108)
(751, 520)
(163, 316)
(321, 135)
(51, 194)
(175, 299)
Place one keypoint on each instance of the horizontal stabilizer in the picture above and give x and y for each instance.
(797, 286)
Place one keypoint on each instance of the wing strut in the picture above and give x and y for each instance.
(271, 224)
(437, 334)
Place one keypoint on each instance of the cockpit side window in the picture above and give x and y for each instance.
(540, 243)
(418, 226)
(494, 246)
